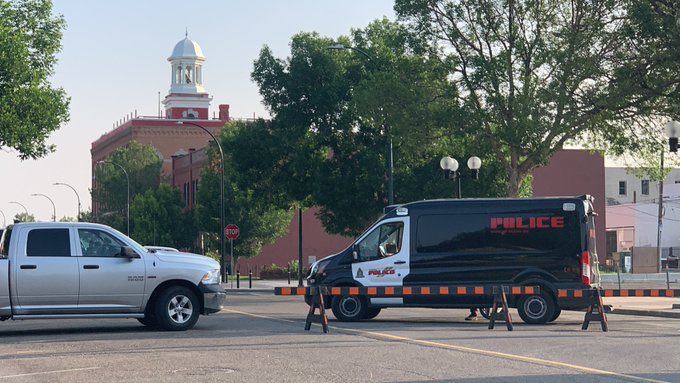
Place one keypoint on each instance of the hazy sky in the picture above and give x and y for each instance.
(114, 61)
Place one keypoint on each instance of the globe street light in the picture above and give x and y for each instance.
(222, 226)
(390, 160)
(127, 176)
(54, 209)
(17, 203)
(450, 167)
(77, 196)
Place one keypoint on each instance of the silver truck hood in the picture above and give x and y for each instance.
(179, 257)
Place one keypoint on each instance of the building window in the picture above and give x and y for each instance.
(622, 188)
(186, 195)
(194, 191)
(645, 187)
(188, 74)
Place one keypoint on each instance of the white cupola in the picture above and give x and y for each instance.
(187, 97)
(187, 67)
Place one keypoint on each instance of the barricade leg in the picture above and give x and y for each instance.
(595, 304)
(500, 299)
(317, 302)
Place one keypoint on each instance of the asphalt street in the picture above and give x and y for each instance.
(259, 337)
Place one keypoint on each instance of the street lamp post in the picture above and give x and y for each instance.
(17, 203)
(54, 208)
(390, 154)
(222, 227)
(127, 177)
(77, 196)
(451, 172)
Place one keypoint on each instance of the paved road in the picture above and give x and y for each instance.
(260, 338)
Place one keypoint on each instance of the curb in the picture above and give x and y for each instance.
(645, 313)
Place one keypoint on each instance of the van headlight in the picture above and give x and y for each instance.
(211, 277)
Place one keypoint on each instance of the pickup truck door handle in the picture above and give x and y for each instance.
(29, 267)
(90, 267)
(399, 262)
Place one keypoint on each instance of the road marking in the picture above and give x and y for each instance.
(47, 372)
(493, 354)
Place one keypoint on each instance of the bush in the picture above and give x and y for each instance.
(278, 272)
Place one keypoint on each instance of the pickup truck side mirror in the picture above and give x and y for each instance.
(355, 253)
(128, 252)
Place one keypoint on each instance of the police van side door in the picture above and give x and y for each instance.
(381, 256)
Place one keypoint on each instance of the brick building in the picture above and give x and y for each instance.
(186, 100)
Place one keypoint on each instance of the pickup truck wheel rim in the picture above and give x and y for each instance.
(180, 309)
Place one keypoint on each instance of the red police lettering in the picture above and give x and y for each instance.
(380, 273)
(527, 223)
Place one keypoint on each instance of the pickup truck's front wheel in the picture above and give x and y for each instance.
(177, 309)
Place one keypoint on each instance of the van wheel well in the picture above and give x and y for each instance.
(148, 311)
(543, 285)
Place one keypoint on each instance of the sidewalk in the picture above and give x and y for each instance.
(640, 306)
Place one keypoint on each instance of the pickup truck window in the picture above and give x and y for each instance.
(48, 243)
(98, 243)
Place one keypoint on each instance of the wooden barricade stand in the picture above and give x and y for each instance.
(595, 304)
(499, 299)
(317, 302)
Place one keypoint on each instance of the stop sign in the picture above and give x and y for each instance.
(231, 231)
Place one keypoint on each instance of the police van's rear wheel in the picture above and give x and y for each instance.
(536, 309)
(349, 308)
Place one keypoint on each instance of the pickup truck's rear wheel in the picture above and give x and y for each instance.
(177, 309)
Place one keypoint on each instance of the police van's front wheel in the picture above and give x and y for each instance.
(536, 309)
(349, 308)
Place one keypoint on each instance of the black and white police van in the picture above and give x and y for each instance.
(546, 242)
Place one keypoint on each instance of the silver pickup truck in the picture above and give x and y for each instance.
(86, 270)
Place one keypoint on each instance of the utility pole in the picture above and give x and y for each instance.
(660, 223)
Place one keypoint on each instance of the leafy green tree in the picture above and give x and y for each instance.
(24, 217)
(160, 219)
(335, 113)
(143, 167)
(534, 75)
(252, 201)
(30, 108)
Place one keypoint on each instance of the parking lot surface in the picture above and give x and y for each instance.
(259, 337)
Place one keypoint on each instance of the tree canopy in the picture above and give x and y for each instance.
(335, 113)
(535, 75)
(160, 218)
(30, 108)
(253, 201)
(143, 167)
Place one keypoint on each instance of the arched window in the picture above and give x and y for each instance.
(188, 75)
(178, 74)
(199, 74)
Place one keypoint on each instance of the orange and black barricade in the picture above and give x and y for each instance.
(317, 297)
(595, 311)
